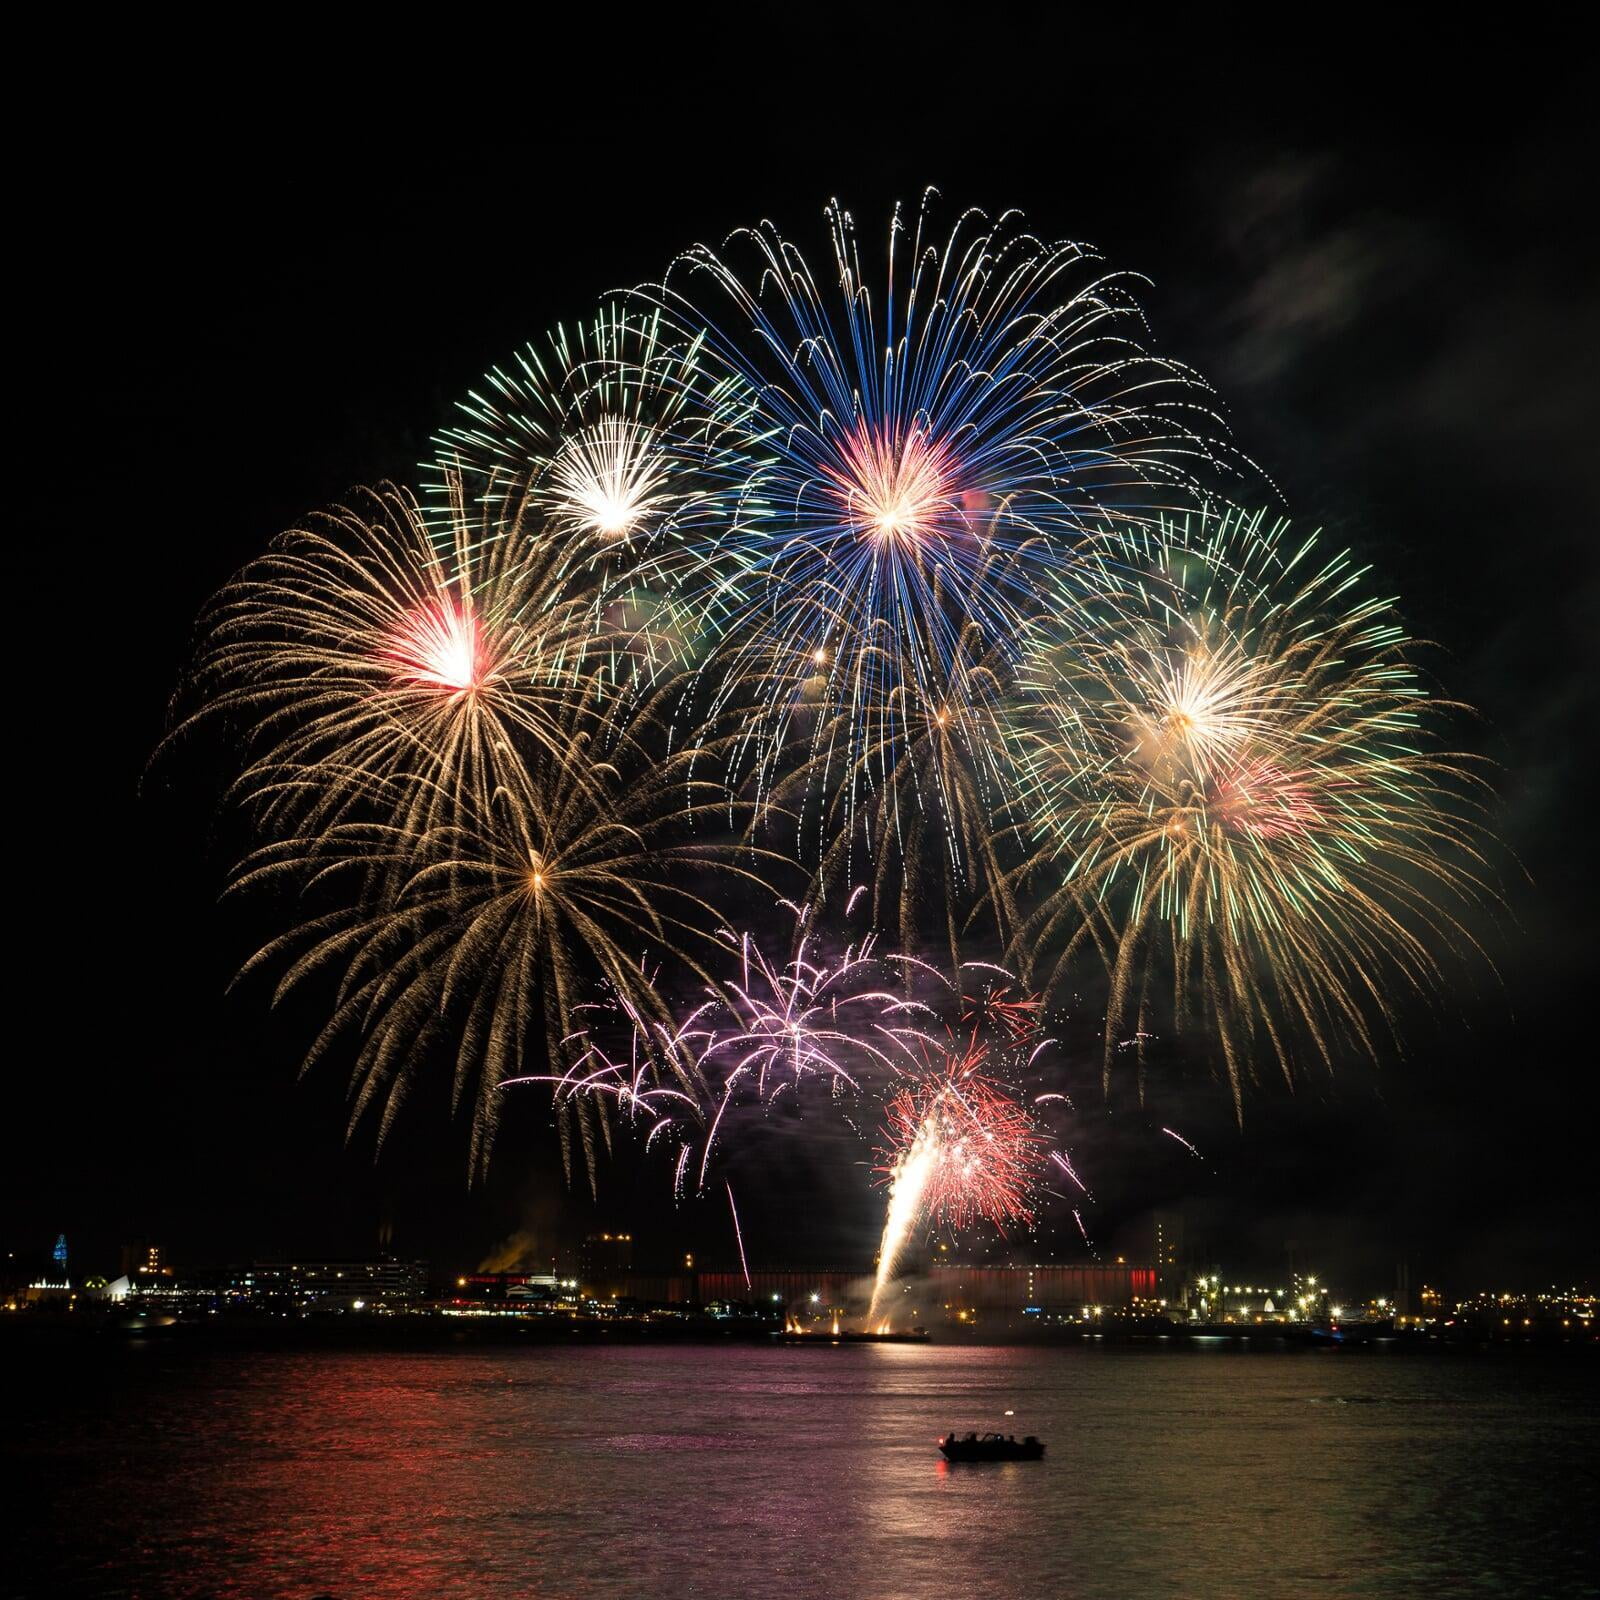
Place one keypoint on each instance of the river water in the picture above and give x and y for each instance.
(790, 1472)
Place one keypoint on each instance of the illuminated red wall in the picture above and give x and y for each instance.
(1011, 1288)
(793, 1288)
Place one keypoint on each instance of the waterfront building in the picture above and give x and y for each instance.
(338, 1284)
(1170, 1276)
(511, 1288)
(945, 1291)
(1046, 1289)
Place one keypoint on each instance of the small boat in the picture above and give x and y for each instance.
(990, 1447)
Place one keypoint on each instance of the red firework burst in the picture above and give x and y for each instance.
(1260, 798)
(961, 1138)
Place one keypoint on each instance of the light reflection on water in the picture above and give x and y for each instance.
(798, 1472)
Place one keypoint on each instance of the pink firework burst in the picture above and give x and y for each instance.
(1259, 798)
(896, 486)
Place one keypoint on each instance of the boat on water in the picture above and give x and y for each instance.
(991, 1447)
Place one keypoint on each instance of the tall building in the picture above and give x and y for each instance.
(144, 1260)
(1169, 1262)
(605, 1261)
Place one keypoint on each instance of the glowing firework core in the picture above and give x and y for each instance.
(896, 486)
(440, 646)
(609, 477)
(1205, 704)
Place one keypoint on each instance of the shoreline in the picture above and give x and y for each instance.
(405, 1332)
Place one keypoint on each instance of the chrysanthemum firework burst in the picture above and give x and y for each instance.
(1234, 788)
(922, 452)
(493, 929)
(368, 659)
(610, 446)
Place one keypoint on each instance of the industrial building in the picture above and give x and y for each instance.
(942, 1292)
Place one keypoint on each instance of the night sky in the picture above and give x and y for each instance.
(240, 301)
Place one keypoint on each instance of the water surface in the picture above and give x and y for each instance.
(733, 1471)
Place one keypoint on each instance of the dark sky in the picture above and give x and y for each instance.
(242, 295)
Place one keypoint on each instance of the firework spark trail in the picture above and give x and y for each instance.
(908, 1189)
(1066, 1166)
(1077, 1217)
(787, 1020)
(738, 1234)
(1172, 1133)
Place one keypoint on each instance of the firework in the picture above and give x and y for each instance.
(493, 928)
(921, 455)
(811, 1017)
(612, 448)
(984, 1147)
(898, 571)
(1233, 788)
(959, 1148)
(738, 1236)
(1172, 1133)
(763, 1031)
(364, 656)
